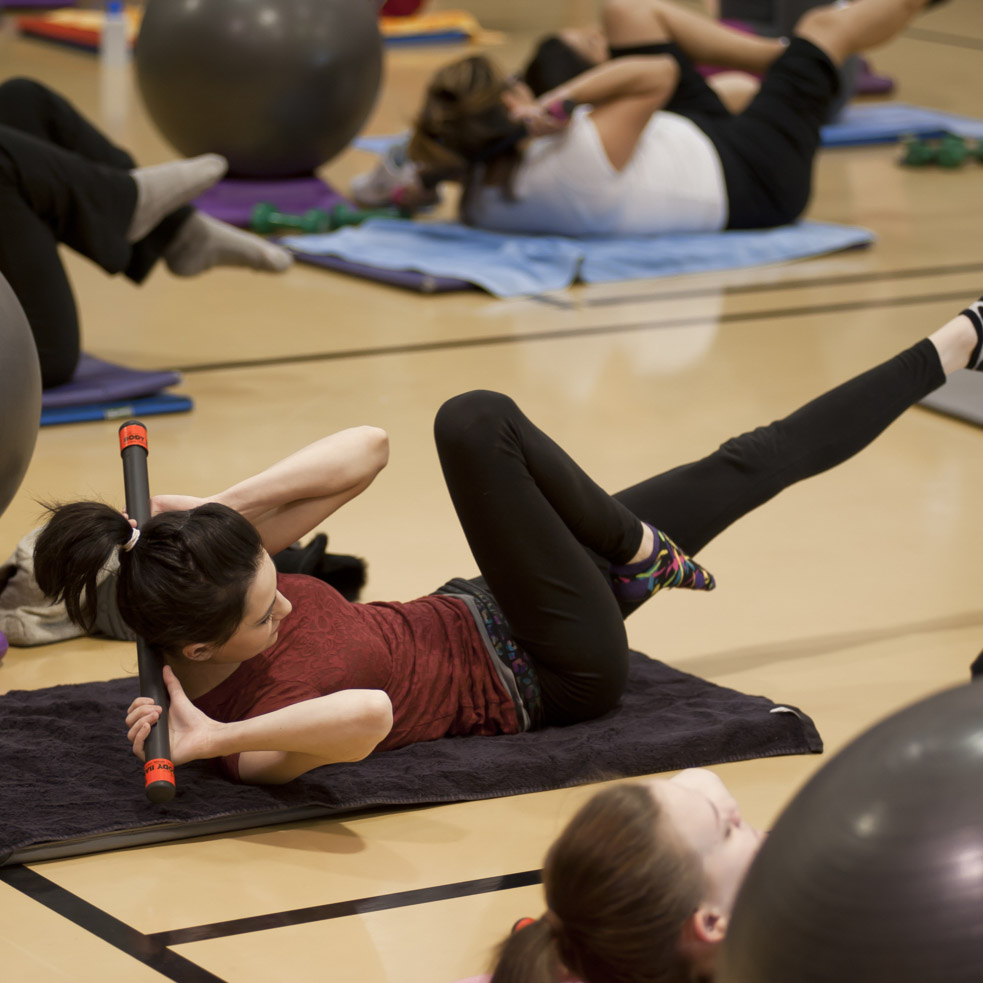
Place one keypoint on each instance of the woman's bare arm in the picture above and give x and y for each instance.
(289, 499)
(624, 93)
(273, 747)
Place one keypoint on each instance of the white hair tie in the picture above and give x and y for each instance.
(132, 541)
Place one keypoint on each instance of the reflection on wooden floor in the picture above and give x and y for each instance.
(850, 595)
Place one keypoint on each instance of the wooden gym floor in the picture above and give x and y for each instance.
(850, 596)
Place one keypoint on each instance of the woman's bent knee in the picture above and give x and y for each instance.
(20, 93)
(471, 415)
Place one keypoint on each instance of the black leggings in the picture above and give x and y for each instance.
(62, 181)
(543, 533)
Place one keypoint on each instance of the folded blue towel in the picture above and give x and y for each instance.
(513, 265)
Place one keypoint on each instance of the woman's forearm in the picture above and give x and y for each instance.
(616, 79)
(293, 496)
(343, 726)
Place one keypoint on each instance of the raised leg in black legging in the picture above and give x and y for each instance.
(33, 108)
(696, 502)
(537, 524)
(50, 195)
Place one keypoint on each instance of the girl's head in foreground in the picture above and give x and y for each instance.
(639, 887)
(196, 586)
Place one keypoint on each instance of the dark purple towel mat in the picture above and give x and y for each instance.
(97, 381)
(232, 200)
(424, 283)
(70, 785)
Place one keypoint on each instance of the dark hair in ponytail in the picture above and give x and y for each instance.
(185, 580)
(620, 886)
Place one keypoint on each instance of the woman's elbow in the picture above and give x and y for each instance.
(376, 449)
(375, 721)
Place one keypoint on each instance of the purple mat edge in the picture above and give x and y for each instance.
(88, 386)
(232, 199)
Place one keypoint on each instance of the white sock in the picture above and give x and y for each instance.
(204, 242)
(162, 188)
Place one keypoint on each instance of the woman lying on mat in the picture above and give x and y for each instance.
(641, 145)
(639, 886)
(62, 181)
(280, 675)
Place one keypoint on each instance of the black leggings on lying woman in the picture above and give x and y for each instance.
(528, 511)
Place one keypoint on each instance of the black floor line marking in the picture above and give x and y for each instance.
(341, 909)
(145, 948)
(754, 288)
(944, 37)
(564, 333)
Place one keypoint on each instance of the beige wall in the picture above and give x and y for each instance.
(524, 15)
(532, 16)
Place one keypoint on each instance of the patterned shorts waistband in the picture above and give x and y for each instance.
(508, 651)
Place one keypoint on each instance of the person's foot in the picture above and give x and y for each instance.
(203, 243)
(163, 188)
(667, 566)
(975, 314)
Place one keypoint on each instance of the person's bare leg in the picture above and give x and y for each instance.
(845, 29)
(634, 22)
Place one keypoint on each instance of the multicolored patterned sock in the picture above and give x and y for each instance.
(667, 566)
(975, 313)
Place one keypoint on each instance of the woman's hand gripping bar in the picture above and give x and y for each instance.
(158, 771)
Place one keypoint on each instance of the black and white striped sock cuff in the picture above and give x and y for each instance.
(975, 313)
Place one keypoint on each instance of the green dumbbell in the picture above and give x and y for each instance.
(265, 218)
(342, 214)
(917, 152)
(953, 151)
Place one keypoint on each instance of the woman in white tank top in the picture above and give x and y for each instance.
(640, 144)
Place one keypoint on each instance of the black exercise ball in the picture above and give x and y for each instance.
(276, 86)
(874, 872)
(20, 394)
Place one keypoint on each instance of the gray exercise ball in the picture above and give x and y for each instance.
(20, 394)
(874, 872)
(276, 86)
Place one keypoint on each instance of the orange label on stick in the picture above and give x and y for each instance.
(158, 770)
(135, 435)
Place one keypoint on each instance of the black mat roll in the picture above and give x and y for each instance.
(70, 785)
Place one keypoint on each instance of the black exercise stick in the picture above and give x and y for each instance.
(158, 771)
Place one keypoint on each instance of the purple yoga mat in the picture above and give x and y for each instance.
(232, 200)
(424, 283)
(96, 381)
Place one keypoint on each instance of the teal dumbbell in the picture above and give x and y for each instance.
(266, 218)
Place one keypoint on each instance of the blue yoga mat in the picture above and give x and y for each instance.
(890, 121)
(117, 409)
(511, 265)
